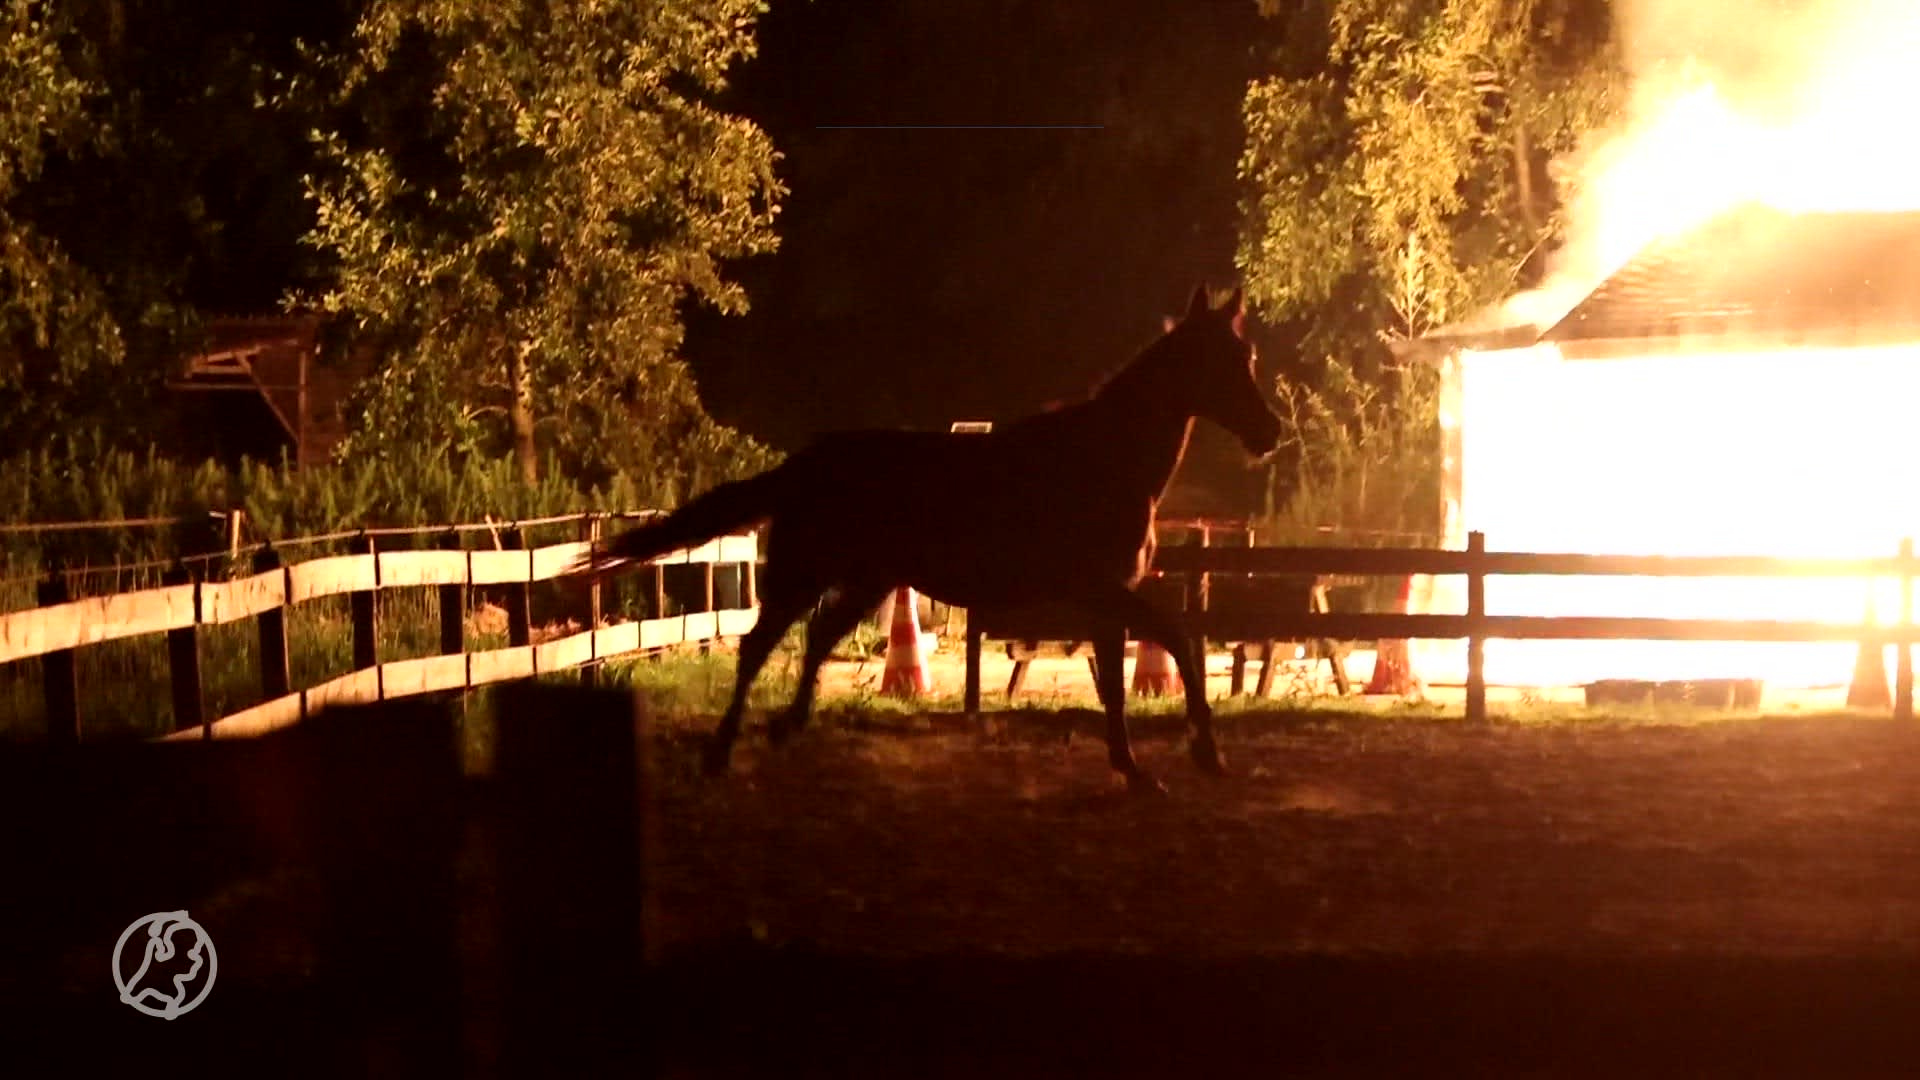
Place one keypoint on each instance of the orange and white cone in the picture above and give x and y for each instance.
(906, 674)
(1392, 666)
(1153, 671)
(1869, 688)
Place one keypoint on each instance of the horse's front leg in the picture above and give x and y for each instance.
(1149, 622)
(1109, 657)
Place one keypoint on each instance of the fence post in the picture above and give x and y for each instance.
(1903, 659)
(453, 605)
(659, 591)
(706, 585)
(183, 658)
(365, 606)
(1198, 584)
(275, 675)
(975, 638)
(519, 594)
(1476, 640)
(590, 674)
(59, 674)
(750, 577)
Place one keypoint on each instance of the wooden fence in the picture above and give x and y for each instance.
(1192, 567)
(179, 608)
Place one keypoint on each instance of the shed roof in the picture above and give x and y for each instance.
(1756, 275)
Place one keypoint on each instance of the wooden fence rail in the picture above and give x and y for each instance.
(179, 608)
(1199, 561)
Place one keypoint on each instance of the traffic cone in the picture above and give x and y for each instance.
(1392, 666)
(1153, 671)
(906, 674)
(1869, 687)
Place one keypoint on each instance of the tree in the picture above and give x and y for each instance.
(1397, 177)
(519, 199)
(141, 183)
(54, 325)
(1397, 166)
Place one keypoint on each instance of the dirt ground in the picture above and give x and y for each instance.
(1367, 894)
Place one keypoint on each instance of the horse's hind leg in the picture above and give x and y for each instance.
(1109, 651)
(778, 610)
(1155, 625)
(835, 620)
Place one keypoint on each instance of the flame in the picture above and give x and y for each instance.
(1777, 453)
(1791, 107)
(1784, 452)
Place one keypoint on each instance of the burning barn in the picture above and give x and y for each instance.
(1744, 387)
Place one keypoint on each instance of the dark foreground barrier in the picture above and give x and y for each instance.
(372, 908)
(378, 911)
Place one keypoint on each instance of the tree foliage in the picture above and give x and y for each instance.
(1398, 175)
(1397, 166)
(54, 326)
(142, 182)
(517, 199)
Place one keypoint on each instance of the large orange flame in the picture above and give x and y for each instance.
(1788, 452)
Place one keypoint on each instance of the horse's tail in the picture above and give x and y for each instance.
(718, 511)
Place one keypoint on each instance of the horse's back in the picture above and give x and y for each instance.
(958, 515)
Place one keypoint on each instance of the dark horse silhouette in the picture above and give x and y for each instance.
(1057, 507)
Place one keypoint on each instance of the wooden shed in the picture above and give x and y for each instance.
(271, 365)
(1747, 387)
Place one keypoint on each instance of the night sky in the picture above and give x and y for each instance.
(931, 275)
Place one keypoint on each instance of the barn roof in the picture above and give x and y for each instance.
(1759, 276)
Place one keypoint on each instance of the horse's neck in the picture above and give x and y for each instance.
(1143, 437)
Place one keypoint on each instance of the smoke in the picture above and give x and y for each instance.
(1797, 104)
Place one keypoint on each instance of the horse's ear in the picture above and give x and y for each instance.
(1236, 311)
(1197, 306)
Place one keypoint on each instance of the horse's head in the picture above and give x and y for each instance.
(1209, 349)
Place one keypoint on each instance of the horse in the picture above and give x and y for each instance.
(1058, 506)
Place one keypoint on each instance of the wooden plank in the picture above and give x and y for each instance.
(617, 639)
(500, 567)
(739, 549)
(1402, 561)
(562, 653)
(400, 569)
(735, 622)
(549, 561)
(330, 576)
(38, 631)
(495, 665)
(705, 553)
(701, 626)
(660, 633)
(267, 716)
(1366, 626)
(354, 688)
(242, 598)
(404, 678)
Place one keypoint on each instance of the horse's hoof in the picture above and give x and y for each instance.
(1140, 783)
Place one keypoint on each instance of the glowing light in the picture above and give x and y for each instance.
(1787, 452)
